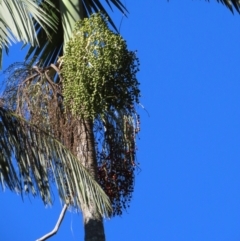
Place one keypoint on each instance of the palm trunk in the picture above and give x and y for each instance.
(85, 151)
(84, 145)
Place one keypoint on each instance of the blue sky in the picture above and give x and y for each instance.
(188, 188)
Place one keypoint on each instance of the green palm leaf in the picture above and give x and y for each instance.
(17, 22)
(40, 159)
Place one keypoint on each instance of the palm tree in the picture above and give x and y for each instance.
(39, 157)
(32, 92)
(68, 12)
(52, 35)
(50, 45)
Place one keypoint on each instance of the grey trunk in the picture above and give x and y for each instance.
(93, 223)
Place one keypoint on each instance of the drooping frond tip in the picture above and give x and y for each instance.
(30, 159)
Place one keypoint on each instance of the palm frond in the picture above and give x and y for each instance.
(49, 50)
(30, 159)
(230, 4)
(17, 22)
